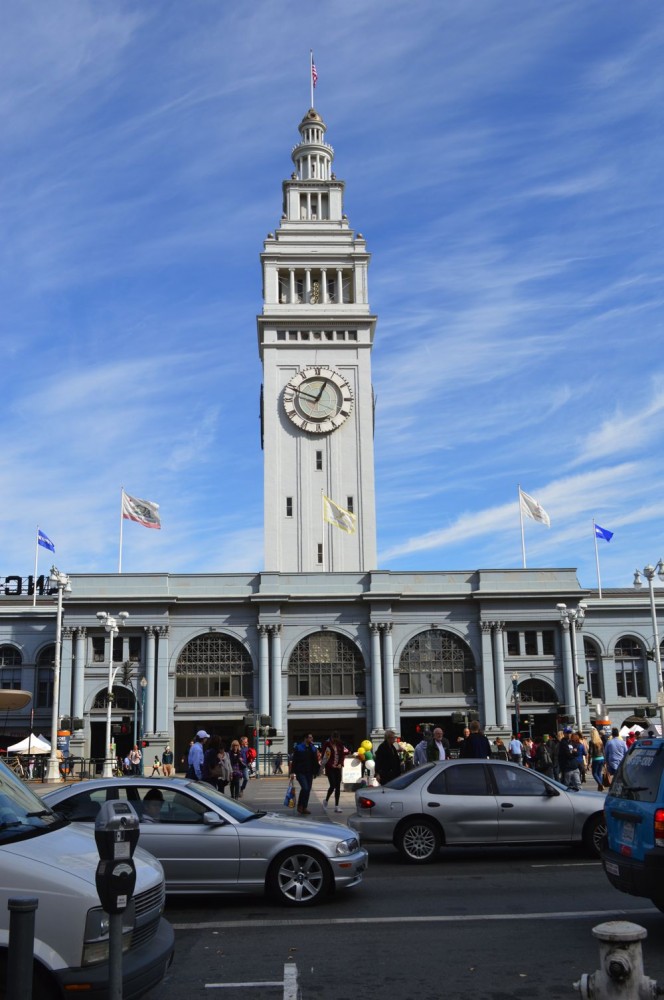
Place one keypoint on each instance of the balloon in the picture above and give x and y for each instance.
(368, 755)
(361, 753)
(367, 744)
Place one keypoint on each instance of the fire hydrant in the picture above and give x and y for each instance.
(620, 975)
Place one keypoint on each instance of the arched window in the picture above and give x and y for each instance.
(213, 666)
(45, 669)
(10, 662)
(593, 668)
(325, 664)
(10, 656)
(123, 699)
(535, 690)
(630, 668)
(436, 662)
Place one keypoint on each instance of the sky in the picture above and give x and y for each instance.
(503, 161)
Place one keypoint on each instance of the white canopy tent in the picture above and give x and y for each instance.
(31, 744)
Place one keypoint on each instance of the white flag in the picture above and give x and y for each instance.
(334, 514)
(145, 512)
(533, 509)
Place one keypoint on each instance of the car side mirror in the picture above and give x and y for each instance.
(213, 819)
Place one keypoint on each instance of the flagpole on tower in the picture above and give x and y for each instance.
(599, 581)
(313, 75)
(523, 535)
(121, 520)
(34, 579)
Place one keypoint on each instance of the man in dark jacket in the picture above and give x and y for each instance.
(476, 745)
(305, 767)
(388, 762)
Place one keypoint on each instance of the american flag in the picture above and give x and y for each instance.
(314, 72)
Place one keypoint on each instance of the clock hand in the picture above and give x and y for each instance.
(300, 392)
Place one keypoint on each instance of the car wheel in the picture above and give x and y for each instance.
(299, 878)
(43, 985)
(594, 833)
(418, 841)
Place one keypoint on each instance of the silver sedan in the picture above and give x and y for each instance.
(471, 802)
(208, 843)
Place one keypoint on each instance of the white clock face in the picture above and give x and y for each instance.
(318, 399)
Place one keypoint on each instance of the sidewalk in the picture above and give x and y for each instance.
(268, 793)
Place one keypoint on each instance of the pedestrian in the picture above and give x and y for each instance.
(216, 766)
(237, 769)
(464, 735)
(543, 762)
(277, 761)
(246, 762)
(333, 753)
(438, 746)
(135, 758)
(596, 753)
(614, 751)
(516, 749)
(528, 752)
(500, 750)
(569, 765)
(305, 767)
(156, 766)
(630, 738)
(167, 762)
(476, 746)
(554, 749)
(196, 755)
(420, 755)
(581, 755)
(388, 762)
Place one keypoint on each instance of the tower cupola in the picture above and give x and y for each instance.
(313, 156)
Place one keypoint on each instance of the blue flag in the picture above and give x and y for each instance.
(45, 541)
(603, 533)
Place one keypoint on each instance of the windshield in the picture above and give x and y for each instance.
(640, 774)
(22, 813)
(231, 807)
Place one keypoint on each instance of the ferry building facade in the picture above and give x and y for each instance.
(322, 639)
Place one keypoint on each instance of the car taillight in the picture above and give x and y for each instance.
(364, 803)
(659, 827)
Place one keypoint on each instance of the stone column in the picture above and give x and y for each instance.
(323, 286)
(307, 284)
(78, 679)
(388, 677)
(263, 671)
(340, 291)
(291, 285)
(499, 673)
(568, 670)
(376, 681)
(488, 682)
(278, 721)
(163, 682)
(150, 676)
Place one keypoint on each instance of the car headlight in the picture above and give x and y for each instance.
(97, 926)
(347, 846)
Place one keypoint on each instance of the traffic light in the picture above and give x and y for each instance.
(126, 672)
(145, 743)
(268, 743)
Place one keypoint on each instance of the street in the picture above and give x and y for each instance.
(497, 924)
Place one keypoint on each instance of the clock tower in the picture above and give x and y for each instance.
(315, 335)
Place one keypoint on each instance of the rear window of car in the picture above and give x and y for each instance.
(640, 775)
(460, 779)
(406, 779)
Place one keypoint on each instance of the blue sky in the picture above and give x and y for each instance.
(503, 161)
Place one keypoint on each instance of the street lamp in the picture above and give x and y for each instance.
(61, 582)
(112, 626)
(649, 573)
(144, 684)
(515, 690)
(573, 619)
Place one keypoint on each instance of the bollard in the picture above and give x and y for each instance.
(620, 975)
(21, 947)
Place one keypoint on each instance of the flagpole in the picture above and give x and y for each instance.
(121, 520)
(325, 528)
(311, 75)
(599, 581)
(523, 535)
(34, 579)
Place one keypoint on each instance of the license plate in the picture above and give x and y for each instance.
(612, 867)
(627, 835)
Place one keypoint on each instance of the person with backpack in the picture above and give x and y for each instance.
(544, 758)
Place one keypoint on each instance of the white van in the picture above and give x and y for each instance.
(53, 860)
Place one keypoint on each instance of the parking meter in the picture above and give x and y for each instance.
(116, 834)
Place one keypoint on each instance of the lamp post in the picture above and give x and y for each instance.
(649, 573)
(112, 626)
(515, 690)
(573, 618)
(61, 582)
(144, 684)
